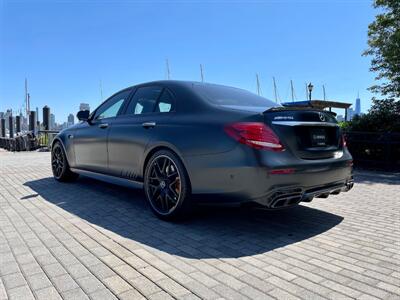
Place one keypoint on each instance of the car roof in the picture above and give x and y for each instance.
(182, 83)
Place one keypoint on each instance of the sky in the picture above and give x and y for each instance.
(66, 48)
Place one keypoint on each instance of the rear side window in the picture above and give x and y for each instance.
(151, 100)
(232, 97)
(166, 102)
(144, 100)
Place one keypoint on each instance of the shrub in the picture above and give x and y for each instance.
(383, 116)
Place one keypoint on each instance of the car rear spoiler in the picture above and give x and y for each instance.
(299, 105)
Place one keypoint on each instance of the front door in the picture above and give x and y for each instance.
(90, 139)
(131, 132)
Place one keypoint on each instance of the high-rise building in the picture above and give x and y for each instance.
(52, 121)
(357, 110)
(6, 116)
(24, 122)
(350, 114)
(340, 118)
(71, 120)
(84, 106)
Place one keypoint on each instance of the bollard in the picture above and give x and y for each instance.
(46, 118)
(17, 124)
(32, 120)
(10, 127)
(3, 128)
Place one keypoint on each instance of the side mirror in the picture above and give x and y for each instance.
(83, 115)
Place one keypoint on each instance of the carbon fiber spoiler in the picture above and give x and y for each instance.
(299, 105)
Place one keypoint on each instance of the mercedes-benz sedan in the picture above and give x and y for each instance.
(191, 142)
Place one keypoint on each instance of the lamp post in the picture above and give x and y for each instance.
(310, 88)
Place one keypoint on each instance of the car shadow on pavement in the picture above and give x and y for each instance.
(211, 233)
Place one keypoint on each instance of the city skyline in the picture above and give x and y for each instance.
(47, 117)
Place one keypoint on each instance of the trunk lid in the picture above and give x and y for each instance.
(308, 133)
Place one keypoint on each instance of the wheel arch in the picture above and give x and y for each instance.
(155, 148)
(59, 139)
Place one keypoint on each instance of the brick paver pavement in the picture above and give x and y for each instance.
(89, 239)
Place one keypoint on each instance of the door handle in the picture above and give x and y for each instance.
(149, 124)
(104, 125)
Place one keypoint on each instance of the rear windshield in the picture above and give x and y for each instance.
(233, 97)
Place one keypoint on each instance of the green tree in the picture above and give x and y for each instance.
(383, 116)
(384, 47)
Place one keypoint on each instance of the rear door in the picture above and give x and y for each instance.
(131, 132)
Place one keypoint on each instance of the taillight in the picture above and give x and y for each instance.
(254, 134)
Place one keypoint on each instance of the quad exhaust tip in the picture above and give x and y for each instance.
(286, 201)
(349, 185)
(292, 199)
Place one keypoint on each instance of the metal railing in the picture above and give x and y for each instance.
(46, 137)
(28, 141)
(375, 149)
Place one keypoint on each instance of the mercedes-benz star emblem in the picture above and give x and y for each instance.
(322, 117)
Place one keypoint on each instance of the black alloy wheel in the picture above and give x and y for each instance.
(59, 164)
(167, 186)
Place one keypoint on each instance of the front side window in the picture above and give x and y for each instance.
(112, 106)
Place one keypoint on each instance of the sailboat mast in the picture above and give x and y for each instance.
(323, 89)
(292, 89)
(201, 73)
(26, 98)
(258, 85)
(275, 91)
(168, 72)
(101, 90)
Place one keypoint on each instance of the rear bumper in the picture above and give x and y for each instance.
(286, 197)
(238, 177)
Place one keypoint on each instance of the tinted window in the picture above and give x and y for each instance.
(232, 97)
(166, 102)
(144, 100)
(112, 106)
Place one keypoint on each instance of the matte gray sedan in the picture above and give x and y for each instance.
(191, 142)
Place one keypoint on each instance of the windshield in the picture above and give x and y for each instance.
(233, 97)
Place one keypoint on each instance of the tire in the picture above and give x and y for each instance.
(59, 164)
(167, 186)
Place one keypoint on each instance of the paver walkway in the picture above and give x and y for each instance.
(97, 240)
